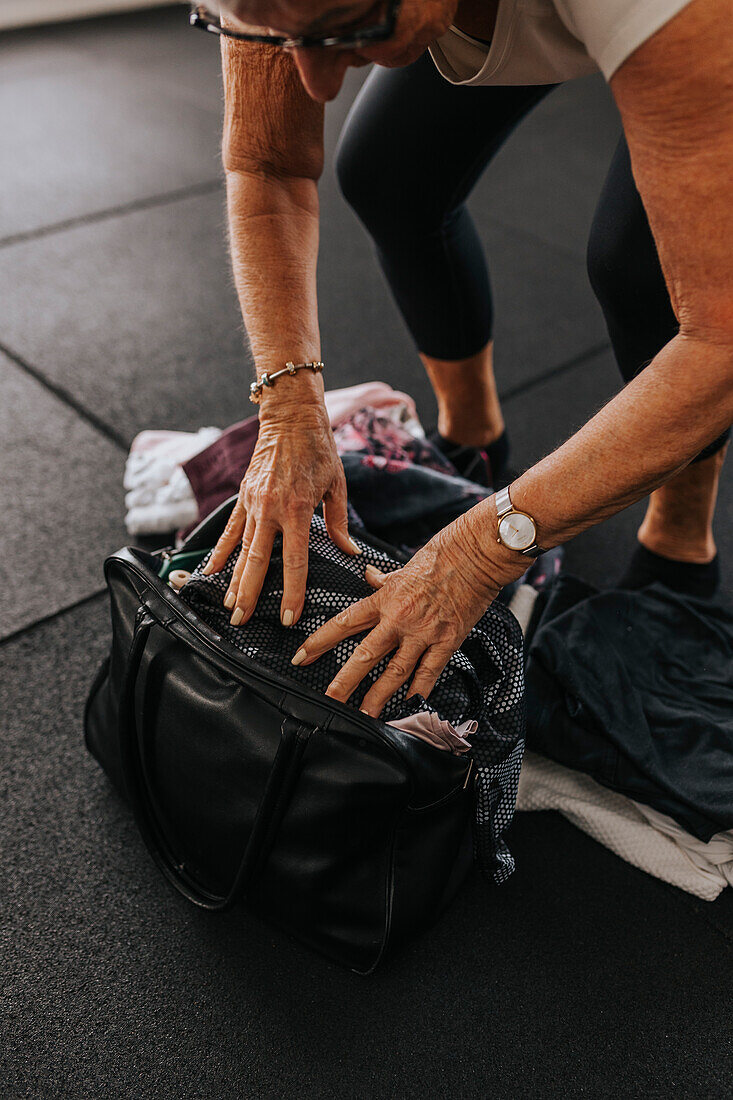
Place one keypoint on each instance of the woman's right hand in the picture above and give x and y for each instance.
(294, 466)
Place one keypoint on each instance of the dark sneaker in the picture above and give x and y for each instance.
(485, 466)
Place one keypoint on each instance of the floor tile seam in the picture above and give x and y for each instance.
(66, 398)
(556, 371)
(28, 628)
(151, 202)
(536, 238)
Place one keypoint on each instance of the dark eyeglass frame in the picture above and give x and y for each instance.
(207, 21)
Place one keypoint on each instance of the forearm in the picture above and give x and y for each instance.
(273, 225)
(648, 432)
(272, 151)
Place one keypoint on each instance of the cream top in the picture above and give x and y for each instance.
(548, 41)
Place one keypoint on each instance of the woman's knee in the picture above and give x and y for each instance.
(391, 199)
(374, 186)
(351, 163)
(379, 172)
(624, 269)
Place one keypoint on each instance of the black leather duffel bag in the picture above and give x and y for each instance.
(346, 832)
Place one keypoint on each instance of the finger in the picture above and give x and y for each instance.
(336, 517)
(367, 654)
(295, 572)
(434, 661)
(231, 595)
(228, 539)
(375, 577)
(359, 616)
(253, 577)
(392, 679)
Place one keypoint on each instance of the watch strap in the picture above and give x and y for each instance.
(504, 505)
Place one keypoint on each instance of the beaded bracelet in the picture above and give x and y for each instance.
(255, 389)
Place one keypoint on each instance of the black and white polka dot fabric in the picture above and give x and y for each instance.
(482, 680)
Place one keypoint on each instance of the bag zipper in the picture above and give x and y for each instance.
(239, 661)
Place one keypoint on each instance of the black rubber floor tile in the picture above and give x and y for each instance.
(581, 976)
(61, 499)
(158, 44)
(137, 315)
(82, 136)
(546, 313)
(150, 335)
(547, 178)
(541, 418)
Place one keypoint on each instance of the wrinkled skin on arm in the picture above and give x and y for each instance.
(272, 127)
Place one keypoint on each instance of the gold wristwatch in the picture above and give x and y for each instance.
(515, 530)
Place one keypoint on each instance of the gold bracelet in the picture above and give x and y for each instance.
(255, 389)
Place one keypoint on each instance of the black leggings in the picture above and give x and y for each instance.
(409, 154)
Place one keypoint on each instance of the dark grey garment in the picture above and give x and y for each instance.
(636, 690)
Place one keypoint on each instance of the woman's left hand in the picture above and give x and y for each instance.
(422, 611)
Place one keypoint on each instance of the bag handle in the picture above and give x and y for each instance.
(274, 801)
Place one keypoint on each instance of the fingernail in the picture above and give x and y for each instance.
(237, 617)
(299, 657)
(357, 549)
(207, 569)
(229, 600)
(287, 618)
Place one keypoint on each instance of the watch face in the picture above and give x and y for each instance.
(517, 531)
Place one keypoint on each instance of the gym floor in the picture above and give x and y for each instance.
(581, 976)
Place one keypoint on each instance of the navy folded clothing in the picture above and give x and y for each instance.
(636, 690)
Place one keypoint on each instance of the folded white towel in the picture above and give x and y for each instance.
(160, 497)
(158, 519)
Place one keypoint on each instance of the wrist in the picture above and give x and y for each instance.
(491, 564)
(291, 395)
(499, 561)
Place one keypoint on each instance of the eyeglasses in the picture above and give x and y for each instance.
(358, 36)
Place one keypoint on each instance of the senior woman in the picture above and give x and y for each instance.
(670, 68)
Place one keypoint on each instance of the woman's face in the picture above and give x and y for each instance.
(322, 70)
